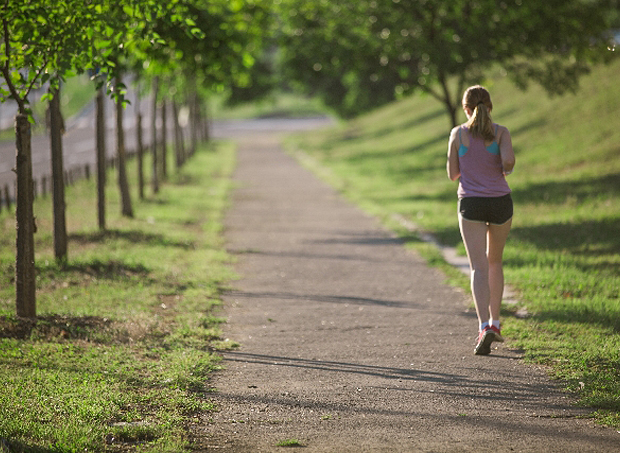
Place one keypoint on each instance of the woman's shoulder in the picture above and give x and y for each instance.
(500, 128)
(454, 131)
(457, 128)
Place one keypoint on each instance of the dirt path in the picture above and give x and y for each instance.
(350, 343)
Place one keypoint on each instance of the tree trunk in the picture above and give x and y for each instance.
(24, 266)
(198, 120)
(164, 141)
(58, 183)
(194, 123)
(205, 122)
(451, 107)
(452, 112)
(155, 180)
(101, 157)
(123, 184)
(178, 136)
(7, 197)
(140, 149)
(193, 104)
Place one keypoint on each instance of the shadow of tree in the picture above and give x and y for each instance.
(416, 121)
(53, 327)
(11, 445)
(580, 313)
(454, 385)
(334, 299)
(591, 246)
(527, 127)
(396, 153)
(133, 236)
(355, 133)
(557, 192)
(109, 270)
(587, 238)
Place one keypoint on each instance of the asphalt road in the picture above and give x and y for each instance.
(78, 143)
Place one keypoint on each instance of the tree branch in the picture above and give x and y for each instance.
(432, 92)
(35, 78)
(461, 85)
(5, 68)
(447, 99)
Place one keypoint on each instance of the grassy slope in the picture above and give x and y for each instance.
(118, 358)
(281, 104)
(564, 251)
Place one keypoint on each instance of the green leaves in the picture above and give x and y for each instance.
(215, 40)
(41, 41)
(395, 47)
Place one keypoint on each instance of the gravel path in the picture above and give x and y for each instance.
(350, 343)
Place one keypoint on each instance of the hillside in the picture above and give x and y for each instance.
(563, 255)
(567, 148)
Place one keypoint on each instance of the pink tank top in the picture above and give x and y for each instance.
(481, 168)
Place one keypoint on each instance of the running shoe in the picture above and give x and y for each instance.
(483, 344)
(498, 334)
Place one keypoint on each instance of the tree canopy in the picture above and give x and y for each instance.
(358, 54)
(41, 42)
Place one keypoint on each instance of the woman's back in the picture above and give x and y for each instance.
(481, 166)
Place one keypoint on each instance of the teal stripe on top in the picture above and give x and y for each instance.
(493, 148)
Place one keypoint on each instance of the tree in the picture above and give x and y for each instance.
(44, 42)
(58, 183)
(40, 43)
(123, 183)
(212, 51)
(179, 146)
(100, 132)
(140, 144)
(360, 54)
(154, 141)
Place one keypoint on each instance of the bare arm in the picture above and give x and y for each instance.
(452, 165)
(506, 152)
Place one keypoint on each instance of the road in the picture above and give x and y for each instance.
(78, 143)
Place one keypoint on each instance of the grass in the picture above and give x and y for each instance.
(127, 331)
(277, 105)
(563, 255)
(289, 443)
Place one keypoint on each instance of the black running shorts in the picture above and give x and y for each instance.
(492, 210)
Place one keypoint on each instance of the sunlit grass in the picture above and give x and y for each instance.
(278, 105)
(118, 357)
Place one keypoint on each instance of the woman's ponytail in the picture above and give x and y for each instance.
(480, 123)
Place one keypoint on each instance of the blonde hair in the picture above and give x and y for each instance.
(478, 99)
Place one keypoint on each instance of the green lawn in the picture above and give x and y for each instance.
(128, 329)
(563, 255)
(278, 105)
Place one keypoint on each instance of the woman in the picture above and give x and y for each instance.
(480, 154)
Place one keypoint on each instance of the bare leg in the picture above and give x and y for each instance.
(475, 240)
(496, 241)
